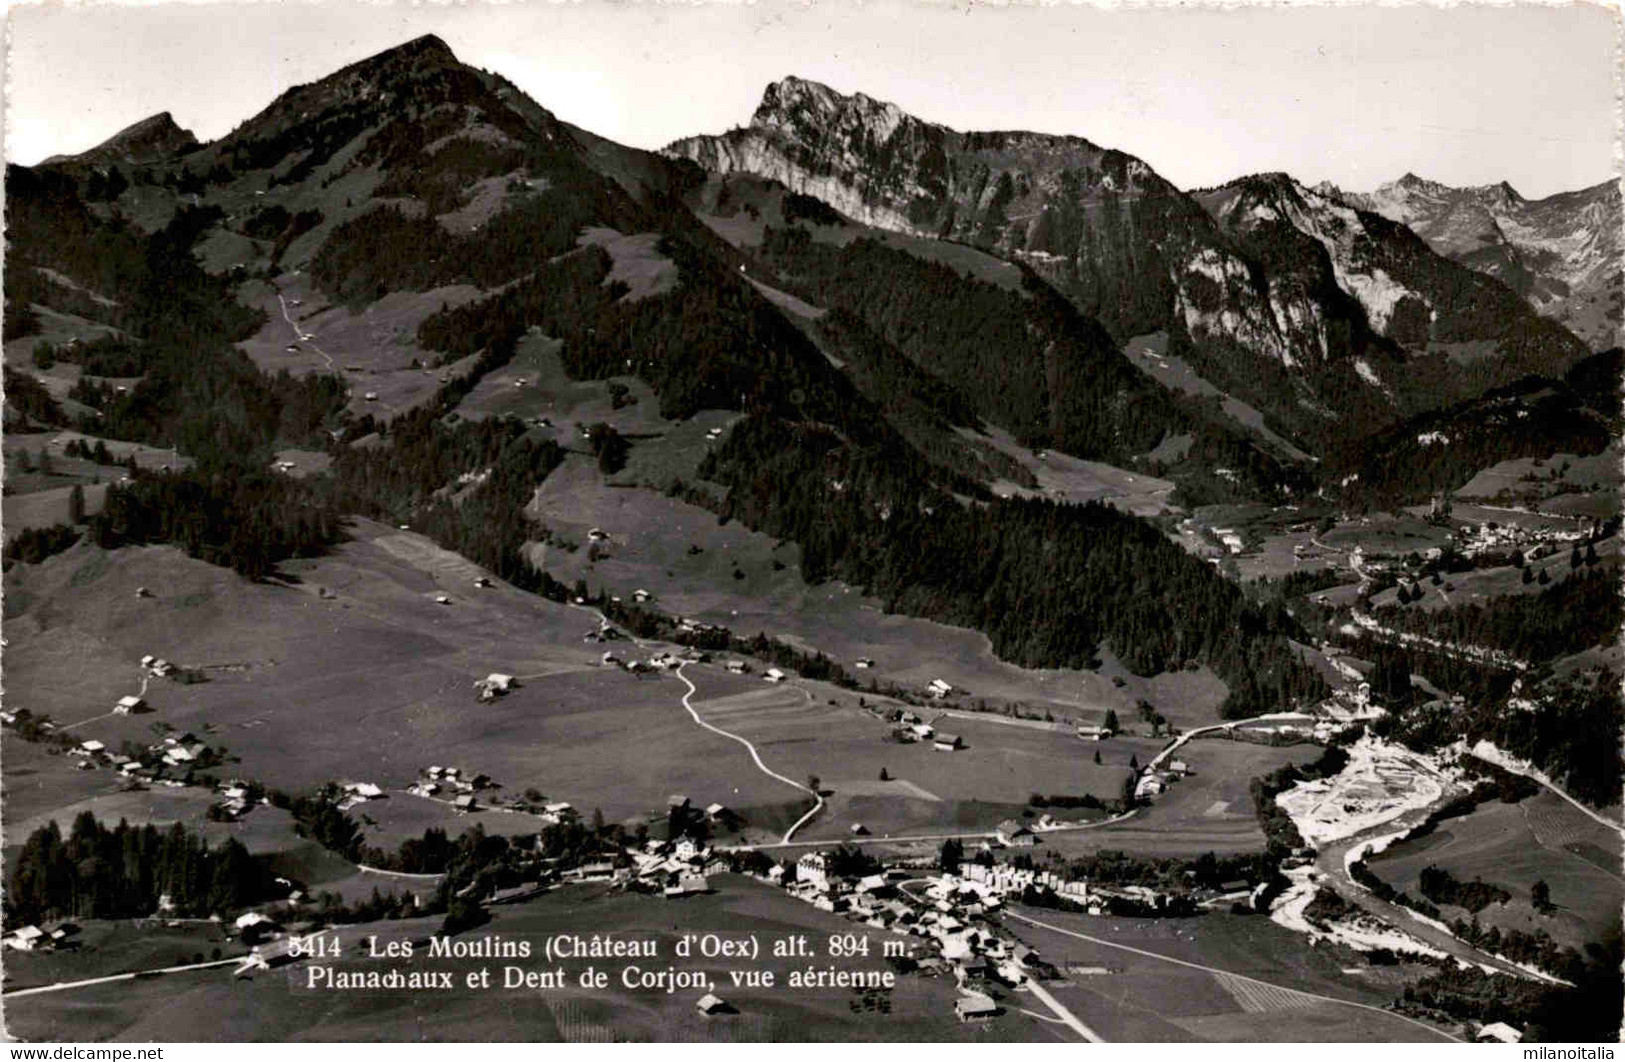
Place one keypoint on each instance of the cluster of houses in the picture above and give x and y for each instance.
(452, 781)
(157, 666)
(911, 728)
(358, 793)
(235, 799)
(1155, 780)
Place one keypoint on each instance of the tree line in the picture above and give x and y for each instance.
(122, 872)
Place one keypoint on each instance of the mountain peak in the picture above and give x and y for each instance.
(152, 138)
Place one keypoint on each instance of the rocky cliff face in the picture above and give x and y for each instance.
(1562, 253)
(1123, 244)
(1288, 294)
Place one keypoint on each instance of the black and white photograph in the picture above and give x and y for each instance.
(905, 521)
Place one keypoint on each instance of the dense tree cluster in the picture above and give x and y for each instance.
(28, 397)
(1440, 886)
(1050, 584)
(97, 872)
(249, 522)
(1575, 613)
(33, 544)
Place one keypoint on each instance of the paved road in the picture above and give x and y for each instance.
(1226, 973)
(64, 985)
(1066, 1016)
(817, 797)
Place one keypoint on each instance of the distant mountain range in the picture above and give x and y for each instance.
(1563, 253)
(1334, 314)
(1329, 318)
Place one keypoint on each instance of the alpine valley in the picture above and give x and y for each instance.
(991, 491)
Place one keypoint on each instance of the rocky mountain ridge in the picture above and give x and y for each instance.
(1563, 252)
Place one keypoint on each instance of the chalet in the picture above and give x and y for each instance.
(464, 802)
(250, 920)
(560, 809)
(1015, 834)
(364, 790)
(1150, 785)
(736, 666)
(948, 743)
(127, 705)
(28, 938)
(641, 596)
(371, 396)
(8, 718)
(495, 684)
(442, 599)
(146, 661)
(858, 829)
(482, 581)
(1498, 1032)
(714, 810)
(596, 535)
(939, 688)
(863, 662)
(677, 800)
(1093, 733)
(91, 748)
(709, 1004)
(611, 658)
(1179, 767)
(922, 731)
(774, 675)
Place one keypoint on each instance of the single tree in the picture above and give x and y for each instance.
(951, 855)
(884, 776)
(1528, 577)
(1540, 896)
(1097, 757)
(1133, 762)
(76, 505)
(1111, 721)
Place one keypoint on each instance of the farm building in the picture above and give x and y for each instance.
(641, 596)
(863, 662)
(774, 675)
(713, 810)
(364, 790)
(442, 599)
(736, 666)
(922, 730)
(1093, 733)
(494, 685)
(28, 938)
(1014, 833)
(939, 688)
(128, 705)
(1498, 1032)
(464, 803)
(975, 1007)
(1179, 767)
(858, 829)
(91, 748)
(712, 1004)
(948, 743)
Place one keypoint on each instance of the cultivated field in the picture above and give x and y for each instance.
(1542, 838)
(279, 1005)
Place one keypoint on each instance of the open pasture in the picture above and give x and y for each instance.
(1062, 477)
(682, 555)
(1147, 998)
(374, 350)
(1542, 838)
